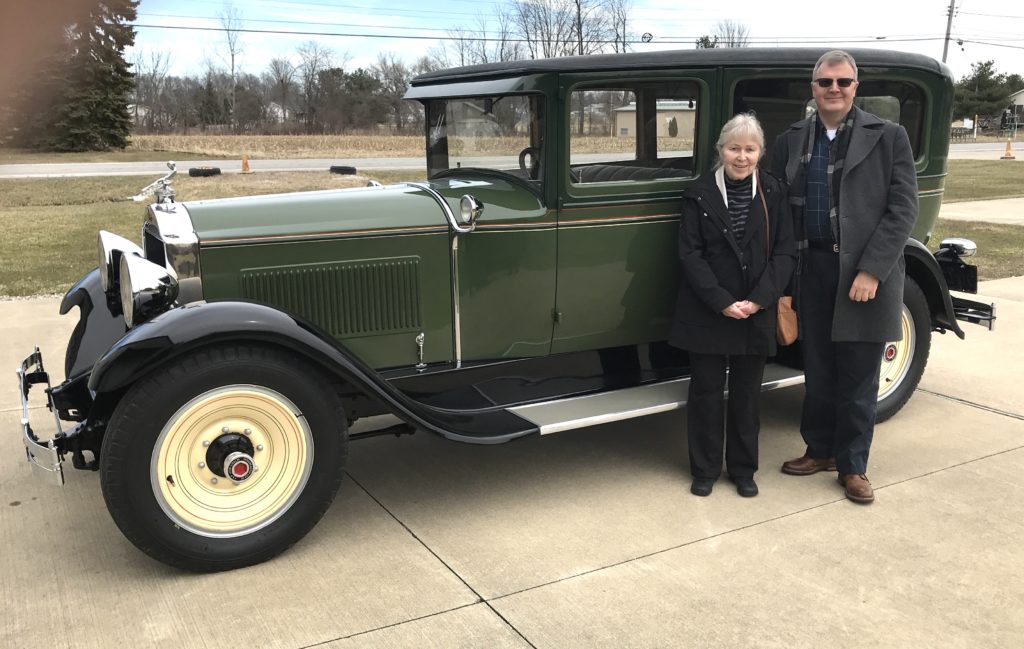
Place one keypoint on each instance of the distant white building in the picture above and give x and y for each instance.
(682, 111)
(1017, 106)
(276, 112)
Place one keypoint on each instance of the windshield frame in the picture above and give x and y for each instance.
(487, 132)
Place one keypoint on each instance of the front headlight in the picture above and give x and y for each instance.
(111, 248)
(146, 289)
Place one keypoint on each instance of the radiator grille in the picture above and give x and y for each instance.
(346, 298)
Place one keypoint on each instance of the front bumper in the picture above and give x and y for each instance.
(45, 457)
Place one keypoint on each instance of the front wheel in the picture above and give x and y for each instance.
(224, 458)
(903, 361)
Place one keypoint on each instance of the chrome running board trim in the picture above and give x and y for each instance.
(639, 401)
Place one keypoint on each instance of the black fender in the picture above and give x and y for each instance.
(924, 269)
(201, 324)
(99, 325)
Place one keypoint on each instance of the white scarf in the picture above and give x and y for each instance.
(720, 181)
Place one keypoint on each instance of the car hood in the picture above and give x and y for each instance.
(380, 209)
(303, 214)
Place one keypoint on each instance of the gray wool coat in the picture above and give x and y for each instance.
(877, 209)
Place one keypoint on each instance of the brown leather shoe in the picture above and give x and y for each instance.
(858, 489)
(804, 465)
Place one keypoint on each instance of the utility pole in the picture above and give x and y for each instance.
(949, 27)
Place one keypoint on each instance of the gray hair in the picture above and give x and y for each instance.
(742, 125)
(834, 57)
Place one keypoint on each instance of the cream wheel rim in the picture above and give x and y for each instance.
(897, 357)
(201, 500)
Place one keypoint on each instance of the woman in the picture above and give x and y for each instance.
(736, 261)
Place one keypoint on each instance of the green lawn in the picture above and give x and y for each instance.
(977, 180)
(48, 226)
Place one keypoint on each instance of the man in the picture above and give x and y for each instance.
(853, 190)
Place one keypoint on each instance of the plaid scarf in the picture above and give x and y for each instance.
(837, 159)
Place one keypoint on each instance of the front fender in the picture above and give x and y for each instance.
(201, 324)
(924, 269)
(99, 327)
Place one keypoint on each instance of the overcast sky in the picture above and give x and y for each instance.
(361, 29)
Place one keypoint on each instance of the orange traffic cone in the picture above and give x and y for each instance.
(245, 164)
(1008, 155)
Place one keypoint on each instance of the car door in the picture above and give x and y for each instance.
(633, 144)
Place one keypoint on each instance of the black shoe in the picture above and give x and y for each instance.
(745, 487)
(702, 486)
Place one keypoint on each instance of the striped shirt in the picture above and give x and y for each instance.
(740, 195)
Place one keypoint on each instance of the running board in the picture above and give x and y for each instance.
(595, 409)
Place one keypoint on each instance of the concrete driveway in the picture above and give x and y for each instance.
(586, 538)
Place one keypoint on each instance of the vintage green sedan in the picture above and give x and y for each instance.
(525, 287)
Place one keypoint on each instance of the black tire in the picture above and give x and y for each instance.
(903, 362)
(194, 518)
(342, 169)
(203, 172)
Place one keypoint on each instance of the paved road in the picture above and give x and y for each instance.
(974, 151)
(584, 539)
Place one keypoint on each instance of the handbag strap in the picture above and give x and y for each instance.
(767, 231)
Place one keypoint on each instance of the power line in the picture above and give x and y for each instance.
(295, 22)
(678, 40)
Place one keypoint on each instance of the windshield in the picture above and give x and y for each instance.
(501, 133)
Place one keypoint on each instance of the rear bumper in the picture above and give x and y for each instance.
(974, 312)
(45, 457)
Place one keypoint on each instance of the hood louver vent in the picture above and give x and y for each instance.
(370, 296)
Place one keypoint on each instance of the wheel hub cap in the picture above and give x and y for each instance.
(239, 466)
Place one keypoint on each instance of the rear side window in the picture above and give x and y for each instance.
(630, 132)
(780, 102)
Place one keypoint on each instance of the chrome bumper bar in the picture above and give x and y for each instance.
(44, 457)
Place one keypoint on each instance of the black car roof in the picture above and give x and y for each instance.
(740, 56)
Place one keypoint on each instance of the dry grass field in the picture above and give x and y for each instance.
(284, 146)
(364, 146)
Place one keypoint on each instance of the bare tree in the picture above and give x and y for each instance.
(231, 22)
(618, 16)
(483, 44)
(150, 75)
(314, 60)
(280, 79)
(732, 33)
(394, 77)
(546, 26)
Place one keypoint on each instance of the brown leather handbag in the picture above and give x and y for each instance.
(785, 317)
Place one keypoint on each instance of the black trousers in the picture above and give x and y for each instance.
(707, 422)
(838, 417)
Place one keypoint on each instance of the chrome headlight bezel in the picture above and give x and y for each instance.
(110, 248)
(146, 289)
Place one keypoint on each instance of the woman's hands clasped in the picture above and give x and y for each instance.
(741, 310)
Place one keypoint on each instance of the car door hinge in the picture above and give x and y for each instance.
(556, 315)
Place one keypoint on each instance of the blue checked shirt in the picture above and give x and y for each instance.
(819, 200)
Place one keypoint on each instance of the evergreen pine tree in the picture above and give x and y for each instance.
(75, 91)
(92, 113)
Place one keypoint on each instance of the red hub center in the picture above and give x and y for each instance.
(238, 466)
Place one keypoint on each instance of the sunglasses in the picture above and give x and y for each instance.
(844, 82)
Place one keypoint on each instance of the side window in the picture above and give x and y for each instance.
(780, 102)
(632, 132)
(896, 101)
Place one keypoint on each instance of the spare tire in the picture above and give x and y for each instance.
(202, 172)
(342, 169)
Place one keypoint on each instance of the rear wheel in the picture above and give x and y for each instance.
(903, 361)
(224, 458)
